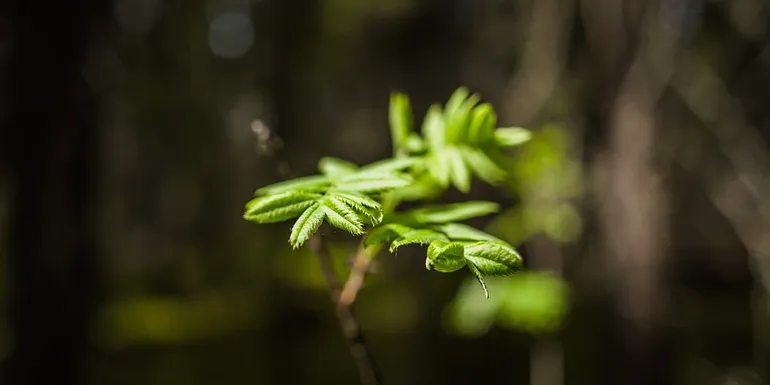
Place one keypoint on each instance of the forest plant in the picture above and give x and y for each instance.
(458, 141)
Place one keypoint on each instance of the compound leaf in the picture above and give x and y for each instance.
(341, 216)
(307, 224)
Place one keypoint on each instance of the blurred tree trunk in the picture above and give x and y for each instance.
(51, 248)
(637, 59)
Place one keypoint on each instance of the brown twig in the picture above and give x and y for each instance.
(348, 322)
(269, 144)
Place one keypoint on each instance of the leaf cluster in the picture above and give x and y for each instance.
(451, 245)
(457, 142)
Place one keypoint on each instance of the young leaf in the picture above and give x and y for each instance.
(341, 216)
(481, 129)
(306, 225)
(445, 257)
(422, 237)
(440, 167)
(463, 232)
(458, 170)
(401, 120)
(373, 182)
(386, 233)
(276, 213)
(454, 212)
(433, 127)
(313, 183)
(336, 167)
(414, 144)
(392, 164)
(458, 119)
(476, 273)
(512, 136)
(484, 167)
(493, 258)
(456, 100)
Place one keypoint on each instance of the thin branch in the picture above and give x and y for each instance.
(270, 145)
(361, 262)
(348, 322)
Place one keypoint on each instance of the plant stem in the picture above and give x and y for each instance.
(363, 258)
(348, 323)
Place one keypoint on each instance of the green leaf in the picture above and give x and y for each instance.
(360, 203)
(445, 257)
(401, 119)
(313, 183)
(392, 164)
(482, 166)
(373, 182)
(414, 144)
(307, 224)
(458, 118)
(476, 273)
(386, 233)
(422, 237)
(453, 212)
(341, 216)
(440, 167)
(278, 214)
(336, 167)
(512, 136)
(456, 100)
(433, 128)
(481, 129)
(493, 258)
(463, 232)
(459, 173)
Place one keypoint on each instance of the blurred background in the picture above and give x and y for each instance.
(131, 141)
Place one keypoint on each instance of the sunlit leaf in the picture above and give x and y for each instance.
(341, 216)
(307, 224)
(433, 128)
(401, 119)
(453, 212)
(335, 167)
(392, 164)
(463, 232)
(482, 125)
(373, 182)
(512, 136)
(482, 166)
(459, 173)
(440, 167)
(313, 183)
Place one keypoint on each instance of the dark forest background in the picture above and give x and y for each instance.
(129, 147)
